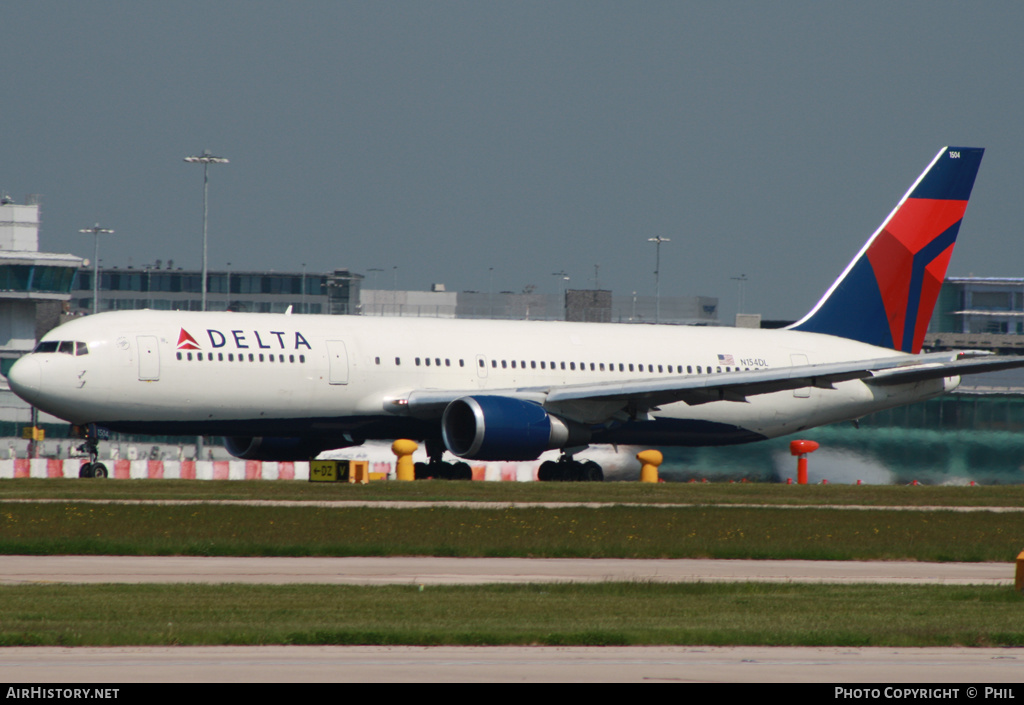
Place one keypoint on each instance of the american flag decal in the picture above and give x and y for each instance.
(726, 359)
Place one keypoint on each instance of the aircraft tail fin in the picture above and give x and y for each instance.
(886, 295)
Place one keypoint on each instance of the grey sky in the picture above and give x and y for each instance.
(444, 138)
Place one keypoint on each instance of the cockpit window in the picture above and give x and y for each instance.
(67, 347)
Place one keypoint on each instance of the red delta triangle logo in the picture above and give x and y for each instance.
(186, 341)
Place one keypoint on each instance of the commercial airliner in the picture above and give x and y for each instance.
(281, 386)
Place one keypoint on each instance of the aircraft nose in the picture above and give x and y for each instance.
(25, 378)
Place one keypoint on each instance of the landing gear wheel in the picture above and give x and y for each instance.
(591, 472)
(437, 469)
(462, 471)
(548, 471)
(93, 468)
(568, 470)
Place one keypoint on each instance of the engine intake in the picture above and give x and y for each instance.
(502, 428)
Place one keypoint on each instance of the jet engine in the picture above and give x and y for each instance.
(271, 448)
(503, 428)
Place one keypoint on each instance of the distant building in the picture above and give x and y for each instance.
(979, 312)
(594, 305)
(168, 289)
(425, 304)
(748, 320)
(341, 293)
(507, 305)
(588, 305)
(35, 286)
(680, 310)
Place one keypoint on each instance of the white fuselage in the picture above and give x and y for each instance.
(276, 374)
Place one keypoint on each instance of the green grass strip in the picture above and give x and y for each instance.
(612, 531)
(563, 614)
(608, 492)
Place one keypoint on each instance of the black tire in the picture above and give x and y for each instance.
(575, 472)
(565, 471)
(462, 471)
(85, 470)
(547, 471)
(592, 472)
(99, 470)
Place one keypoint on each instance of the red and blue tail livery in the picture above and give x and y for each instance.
(886, 295)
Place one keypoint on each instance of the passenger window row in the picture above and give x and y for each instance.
(610, 367)
(426, 362)
(230, 357)
(437, 362)
(573, 366)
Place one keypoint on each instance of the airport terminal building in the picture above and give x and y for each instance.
(341, 292)
(980, 313)
(164, 288)
(35, 287)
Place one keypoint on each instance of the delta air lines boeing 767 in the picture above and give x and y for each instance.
(282, 386)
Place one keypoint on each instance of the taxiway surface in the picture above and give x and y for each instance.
(427, 570)
(536, 664)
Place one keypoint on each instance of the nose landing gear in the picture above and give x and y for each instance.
(91, 445)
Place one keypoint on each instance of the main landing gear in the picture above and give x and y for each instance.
(568, 470)
(437, 469)
(93, 468)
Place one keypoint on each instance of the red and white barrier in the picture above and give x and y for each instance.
(618, 463)
(159, 469)
(228, 469)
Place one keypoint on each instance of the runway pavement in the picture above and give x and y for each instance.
(427, 570)
(537, 664)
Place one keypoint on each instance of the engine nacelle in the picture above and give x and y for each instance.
(502, 428)
(271, 448)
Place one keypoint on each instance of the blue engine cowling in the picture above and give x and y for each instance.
(498, 428)
(270, 448)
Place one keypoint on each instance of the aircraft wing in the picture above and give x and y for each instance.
(963, 366)
(599, 401)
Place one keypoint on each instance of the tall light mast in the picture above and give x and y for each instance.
(206, 159)
(657, 275)
(96, 231)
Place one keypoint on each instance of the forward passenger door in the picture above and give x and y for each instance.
(337, 360)
(149, 358)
